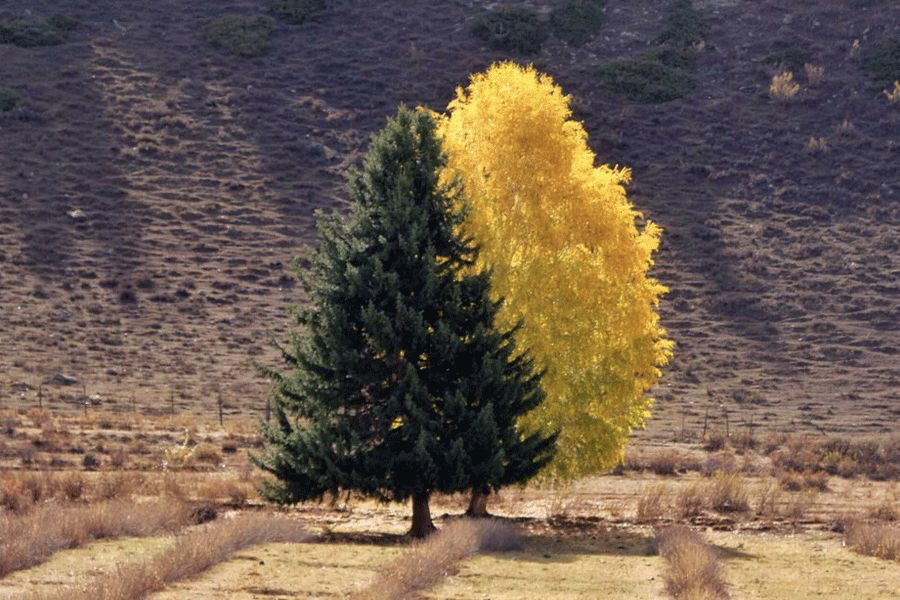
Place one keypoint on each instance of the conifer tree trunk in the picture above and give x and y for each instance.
(477, 504)
(421, 518)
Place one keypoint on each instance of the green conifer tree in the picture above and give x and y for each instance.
(400, 385)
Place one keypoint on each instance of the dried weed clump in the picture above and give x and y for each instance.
(783, 88)
(893, 95)
(652, 503)
(191, 554)
(693, 571)
(429, 560)
(814, 74)
(27, 540)
(816, 145)
(873, 539)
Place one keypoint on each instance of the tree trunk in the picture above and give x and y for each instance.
(421, 517)
(478, 505)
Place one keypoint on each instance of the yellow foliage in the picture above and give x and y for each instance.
(567, 256)
(783, 88)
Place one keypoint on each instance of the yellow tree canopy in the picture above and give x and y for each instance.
(567, 256)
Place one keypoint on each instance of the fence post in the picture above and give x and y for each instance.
(268, 409)
(221, 419)
(172, 401)
(40, 396)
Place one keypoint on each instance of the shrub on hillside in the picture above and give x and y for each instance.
(8, 99)
(884, 64)
(35, 31)
(240, 34)
(297, 11)
(658, 75)
(576, 21)
(511, 29)
(686, 25)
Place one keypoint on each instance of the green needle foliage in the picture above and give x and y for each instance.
(400, 386)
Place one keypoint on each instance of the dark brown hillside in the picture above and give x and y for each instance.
(153, 189)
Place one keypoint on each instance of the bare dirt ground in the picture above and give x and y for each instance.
(154, 189)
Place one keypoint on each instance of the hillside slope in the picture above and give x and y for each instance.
(153, 190)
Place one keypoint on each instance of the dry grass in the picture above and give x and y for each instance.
(881, 540)
(814, 74)
(28, 539)
(783, 88)
(816, 145)
(893, 95)
(728, 492)
(191, 554)
(693, 571)
(428, 561)
(652, 503)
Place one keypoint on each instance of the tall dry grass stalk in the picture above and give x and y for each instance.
(693, 571)
(873, 539)
(29, 539)
(192, 553)
(429, 561)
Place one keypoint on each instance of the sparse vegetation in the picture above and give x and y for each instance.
(816, 145)
(576, 21)
(191, 554)
(783, 88)
(35, 31)
(429, 560)
(693, 571)
(873, 539)
(652, 503)
(685, 26)
(884, 63)
(664, 73)
(26, 540)
(893, 95)
(297, 11)
(243, 35)
(511, 29)
(814, 74)
(659, 75)
(8, 99)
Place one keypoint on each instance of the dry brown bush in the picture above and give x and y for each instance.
(799, 504)
(693, 571)
(783, 88)
(691, 500)
(206, 453)
(724, 462)
(768, 496)
(429, 560)
(728, 492)
(26, 540)
(651, 504)
(793, 481)
(873, 539)
(192, 553)
(715, 441)
(72, 485)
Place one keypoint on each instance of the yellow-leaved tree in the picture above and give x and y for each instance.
(570, 257)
